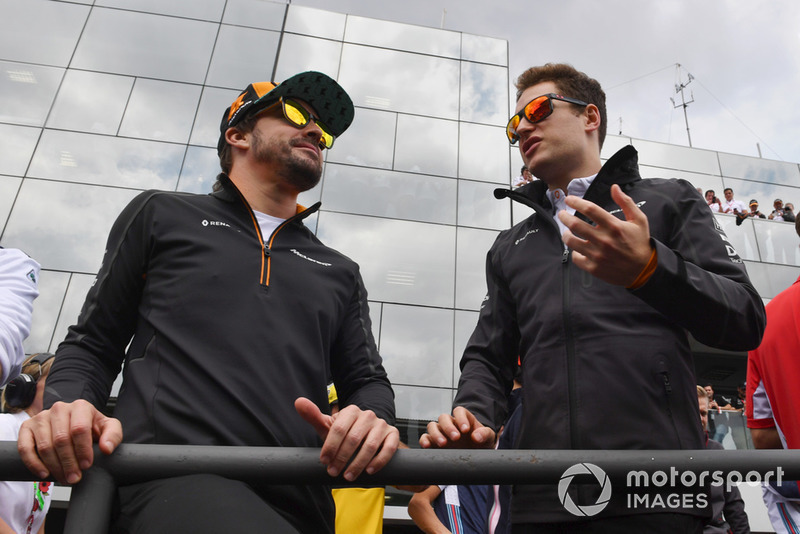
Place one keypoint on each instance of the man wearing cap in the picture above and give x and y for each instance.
(754, 210)
(230, 316)
(777, 212)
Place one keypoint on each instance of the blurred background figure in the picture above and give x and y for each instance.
(24, 504)
(19, 277)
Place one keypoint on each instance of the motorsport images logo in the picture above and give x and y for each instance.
(586, 510)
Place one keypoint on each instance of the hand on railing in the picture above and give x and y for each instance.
(351, 433)
(58, 441)
(462, 430)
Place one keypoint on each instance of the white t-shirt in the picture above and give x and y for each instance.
(728, 207)
(23, 504)
(19, 276)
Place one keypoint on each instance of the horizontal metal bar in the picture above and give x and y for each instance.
(132, 463)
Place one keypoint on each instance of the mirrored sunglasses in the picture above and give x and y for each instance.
(299, 117)
(535, 111)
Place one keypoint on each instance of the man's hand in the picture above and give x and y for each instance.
(59, 441)
(614, 251)
(351, 434)
(462, 430)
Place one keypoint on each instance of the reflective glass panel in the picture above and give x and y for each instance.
(64, 226)
(484, 49)
(300, 53)
(417, 345)
(426, 145)
(472, 247)
(98, 159)
(612, 144)
(200, 170)
(761, 170)
(162, 111)
(465, 325)
(770, 279)
(484, 93)
(36, 31)
(140, 44)
(677, 157)
(742, 238)
(213, 104)
(422, 403)
(777, 242)
(46, 309)
(16, 147)
(369, 141)
(477, 206)
(703, 181)
(27, 92)
(482, 153)
(79, 285)
(401, 261)
(9, 186)
(242, 56)
(316, 22)
(193, 9)
(389, 194)
(254, 13)
(90, 102)
(399, 81)
(386, 34)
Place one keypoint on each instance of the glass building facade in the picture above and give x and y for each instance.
(101, 99)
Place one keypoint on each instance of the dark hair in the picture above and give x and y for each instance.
(728, 189)
(523, 169)
(246, 125)
(570, 82)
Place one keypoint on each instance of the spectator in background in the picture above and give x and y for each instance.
(788, 212)
(728, 515)
(713, 202)
(24, 504)
(450, 509)
(754, 210)
(773, 398)
(731, 205)
(777, 212)
(19, 279)
(525, 177)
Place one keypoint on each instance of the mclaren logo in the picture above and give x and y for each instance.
(312, 260)
(638, 205)
(587, 510)
(529, 232)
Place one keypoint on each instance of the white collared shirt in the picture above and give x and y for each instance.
(577, 188)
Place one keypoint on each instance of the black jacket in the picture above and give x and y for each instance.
(605, 367)
(228, 328)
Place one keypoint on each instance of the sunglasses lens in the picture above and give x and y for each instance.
(538, 109)
(511, 129)
(298, 116)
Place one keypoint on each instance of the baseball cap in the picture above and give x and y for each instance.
(777, 200)
(329, 100)
(754, 201)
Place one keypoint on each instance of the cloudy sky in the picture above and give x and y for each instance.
(743, 55)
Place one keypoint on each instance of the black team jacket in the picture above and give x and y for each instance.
(605, 367)
(228, 328)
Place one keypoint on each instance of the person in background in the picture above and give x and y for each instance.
(731, 205)
(450, 509)
(24, 504)
(19, 287)
(777, 211)
(231, 317)
(524, 177)
(607, 261)
(713, 202)
(773, 401)
(754, 210)
(788, 212)
(728, 515)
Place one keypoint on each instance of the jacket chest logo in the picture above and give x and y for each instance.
(312, 260)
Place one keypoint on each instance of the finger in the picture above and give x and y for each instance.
(370, 440)
(344, 437)
(386, 450)
(448, 427)
(26, 446)
(108, 432)
(631, 211)
(72, 426)
(311, 413)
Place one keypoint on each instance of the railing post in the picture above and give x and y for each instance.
(90, 504)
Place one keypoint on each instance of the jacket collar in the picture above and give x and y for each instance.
(230, 193)
(622, 168)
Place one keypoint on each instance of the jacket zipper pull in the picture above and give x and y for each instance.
(667, 384)
(565, 255)
(266, 250)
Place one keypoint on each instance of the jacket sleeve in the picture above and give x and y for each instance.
(19, 276)
(490, 358)
(700, 282)
(356, 366)
(90, 357)
(734, 512)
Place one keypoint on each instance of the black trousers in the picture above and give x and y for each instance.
(629, 524)
(200, 504)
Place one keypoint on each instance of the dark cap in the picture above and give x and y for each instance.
(329, 100)
(754, 201)
(777, 200)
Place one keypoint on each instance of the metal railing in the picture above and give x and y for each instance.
(90, 505)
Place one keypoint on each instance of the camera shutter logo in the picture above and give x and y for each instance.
(602, 500)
